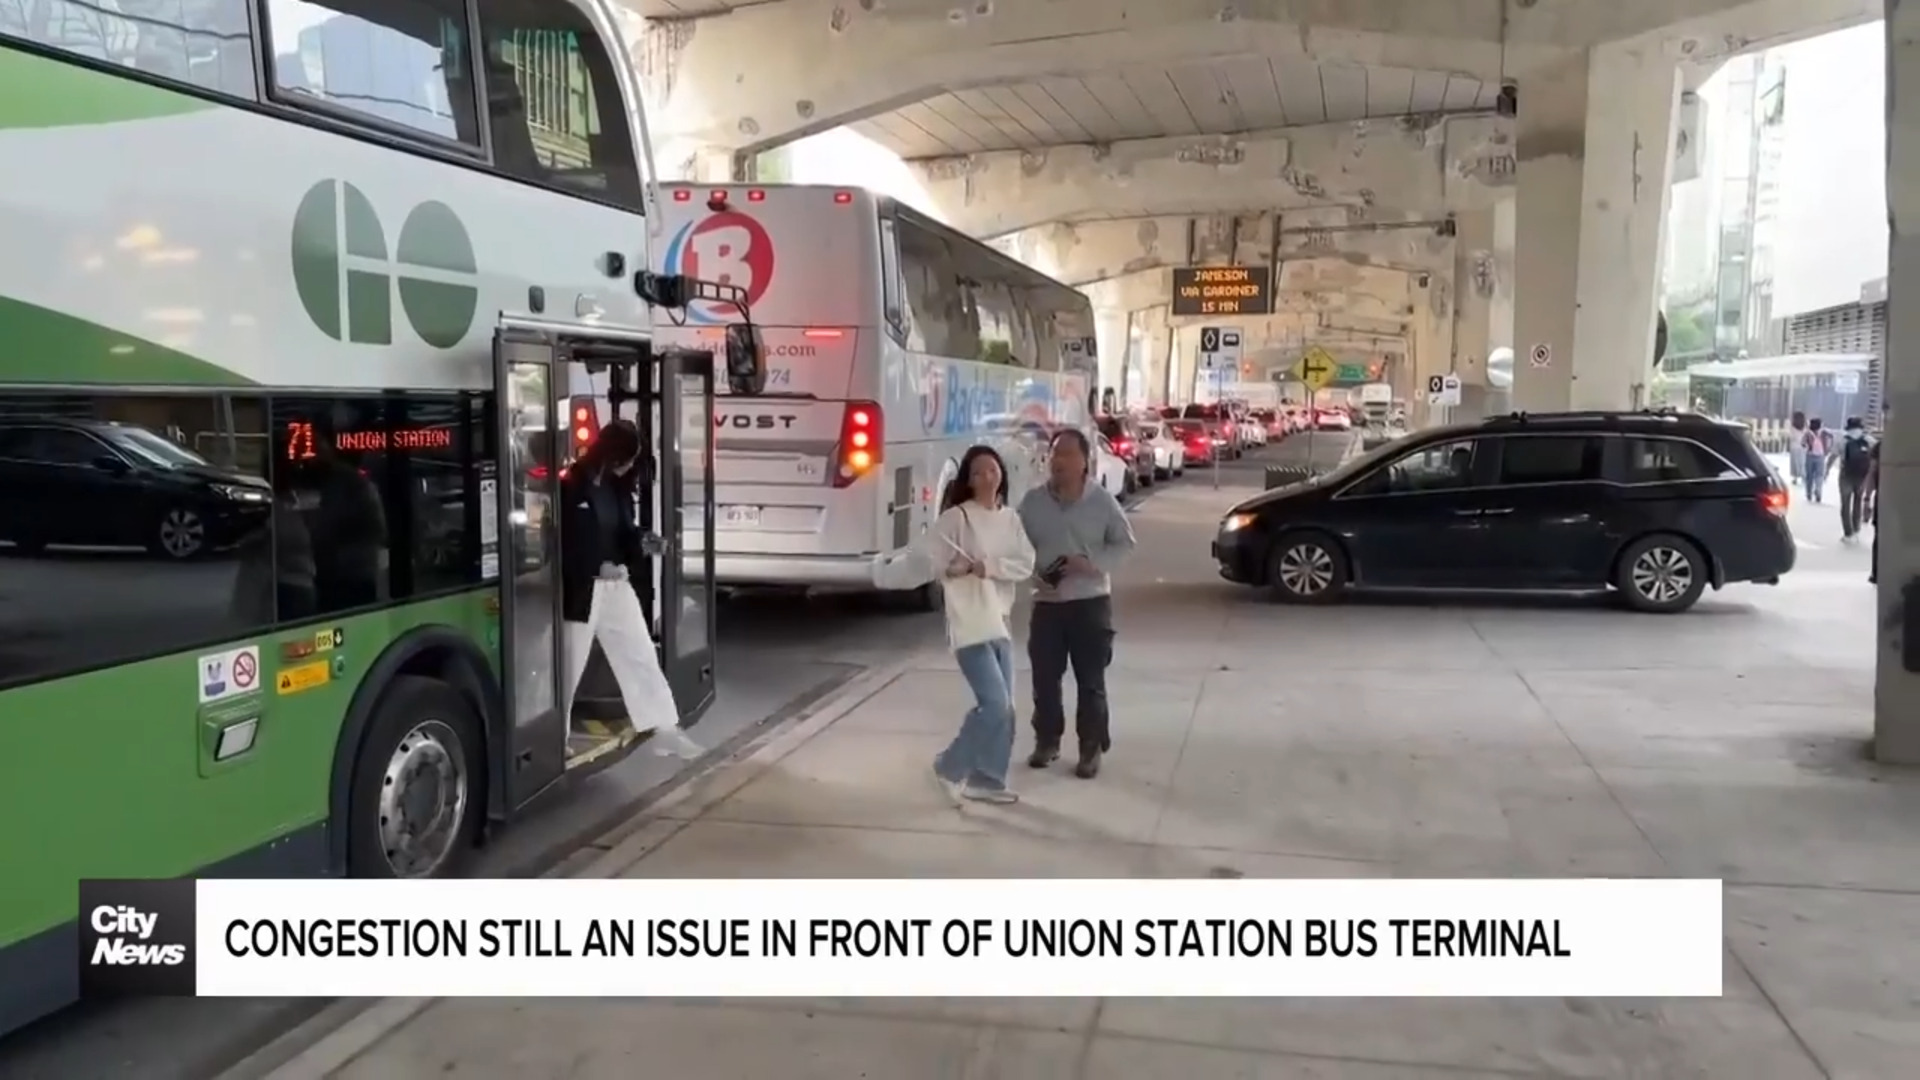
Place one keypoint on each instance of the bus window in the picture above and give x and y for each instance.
(936, 315)
(386, 494)
(890, 279)
(202, 44)
(554, 103)
(406, 66)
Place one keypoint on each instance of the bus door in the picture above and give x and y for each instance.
(535, 365)
(520, 545)
(686, 480)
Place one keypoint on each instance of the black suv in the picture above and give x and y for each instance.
(101, 483)
(1656, 505)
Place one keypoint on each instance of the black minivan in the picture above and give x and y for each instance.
(1655, 505)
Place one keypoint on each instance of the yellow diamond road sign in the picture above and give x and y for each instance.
(1316, 368)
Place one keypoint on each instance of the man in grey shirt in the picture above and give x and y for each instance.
(1079, 534)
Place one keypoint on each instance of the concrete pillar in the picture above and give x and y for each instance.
(1595, 149)
(1429, 337)
(1896, 711)
(1483, 302)
(1110, 342)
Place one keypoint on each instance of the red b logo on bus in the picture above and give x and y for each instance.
(727, 248)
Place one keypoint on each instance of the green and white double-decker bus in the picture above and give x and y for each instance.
(292, 293)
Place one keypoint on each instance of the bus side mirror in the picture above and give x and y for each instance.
(746, 360)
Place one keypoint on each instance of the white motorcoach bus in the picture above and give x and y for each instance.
(893, 343)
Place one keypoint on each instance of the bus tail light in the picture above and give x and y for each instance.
(862, 435)
(584, 420)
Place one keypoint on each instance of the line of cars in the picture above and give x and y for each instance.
(1140, 448)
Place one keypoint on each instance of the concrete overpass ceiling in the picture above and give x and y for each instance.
(1220, 97)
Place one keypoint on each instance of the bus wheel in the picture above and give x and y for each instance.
(928, 597)
(416, 806)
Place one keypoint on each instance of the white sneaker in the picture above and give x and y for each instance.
(674, 742)
(997, 796)
(948, 790)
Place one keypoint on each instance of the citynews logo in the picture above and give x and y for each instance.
(136, 938)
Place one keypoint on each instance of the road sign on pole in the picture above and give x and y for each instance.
(1316, 368)
(1846, 382)
(1220, 348)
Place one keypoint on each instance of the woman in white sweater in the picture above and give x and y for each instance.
(980, 551)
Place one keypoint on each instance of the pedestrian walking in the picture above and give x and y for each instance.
(1080, 534)
(1816, 443)
(1854, 465)
(979, 550)
(599, 539)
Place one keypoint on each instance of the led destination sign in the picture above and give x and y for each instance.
(1222, 290)
(300, 439)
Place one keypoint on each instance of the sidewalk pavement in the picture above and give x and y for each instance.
(1378, 738)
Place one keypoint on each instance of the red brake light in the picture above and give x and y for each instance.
(862, 443)
(1774, 501)
(824, 334)
(682, 195)
(843, 197)
(585, 421)
(537, 472)
(756, 195)
(718, 196)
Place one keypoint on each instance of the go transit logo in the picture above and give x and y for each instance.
(346, 278)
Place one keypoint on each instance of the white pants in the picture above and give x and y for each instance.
(616, 619)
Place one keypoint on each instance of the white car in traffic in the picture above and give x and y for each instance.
(1114, 472)
(1169, 457)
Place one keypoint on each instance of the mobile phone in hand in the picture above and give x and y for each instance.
(1055, 571)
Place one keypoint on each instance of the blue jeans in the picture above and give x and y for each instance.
(1816, 478)
(980, 753)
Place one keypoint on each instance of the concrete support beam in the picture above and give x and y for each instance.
(1361, 292)
(771, 72)
(1595, 146)
(1896, 726)
(1422, 164)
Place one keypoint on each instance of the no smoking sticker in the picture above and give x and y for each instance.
(228, 674)
(246, 671)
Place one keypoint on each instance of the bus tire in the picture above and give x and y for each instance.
(417, 796)
(928, 597)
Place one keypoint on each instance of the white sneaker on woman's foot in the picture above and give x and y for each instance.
(997, 795)
(948, 790)
(673, 742)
